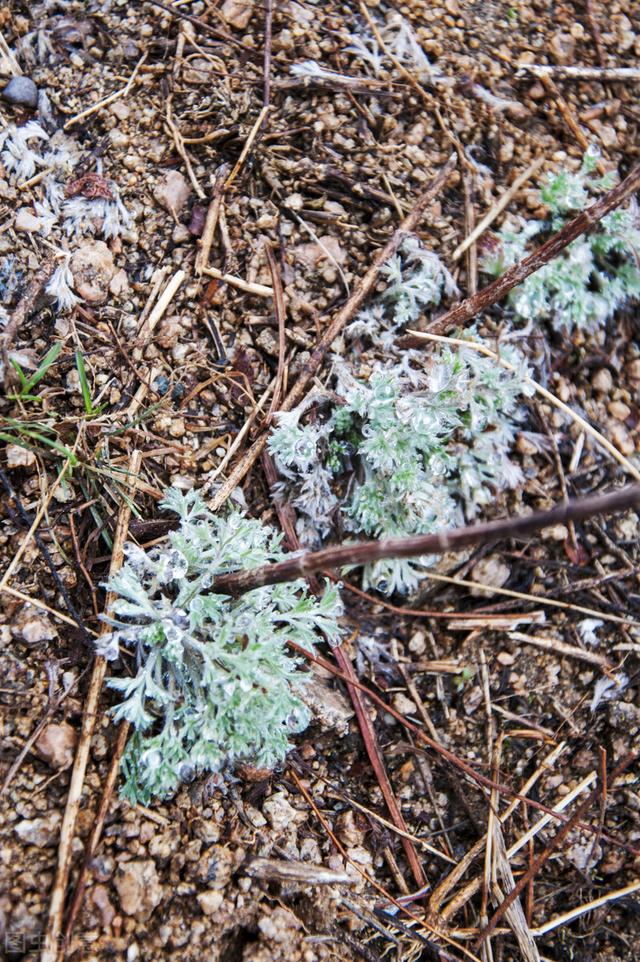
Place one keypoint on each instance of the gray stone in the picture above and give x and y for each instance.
(42, 832)
(22, 92)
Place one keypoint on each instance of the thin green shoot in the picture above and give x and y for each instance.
(90, 410)
(28, 383)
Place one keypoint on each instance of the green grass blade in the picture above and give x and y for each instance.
(84, 384)
(48, 442)
(44, 365)
(16, 367)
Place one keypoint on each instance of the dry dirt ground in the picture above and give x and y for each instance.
(325, 177)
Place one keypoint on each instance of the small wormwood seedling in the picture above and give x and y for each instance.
(414, 449)
(214, 682)
(593, 277)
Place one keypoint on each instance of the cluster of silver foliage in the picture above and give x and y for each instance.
(414, 448)
(214, 681)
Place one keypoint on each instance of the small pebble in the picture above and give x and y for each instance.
(237, 13)
(93, 268)
(19, 457)
(505, 658)
(56, 745)
(633, 369)
(138, 888)
(172, 192)
(404, 705)
(602, 381)
(210, 902)
(490, 571)
(26, 222)
(22, 92)
(42, 832)
(161, 384)
(619, 410)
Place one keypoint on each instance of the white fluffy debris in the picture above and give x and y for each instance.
(606, 689)
(60, 287)
(587, 629)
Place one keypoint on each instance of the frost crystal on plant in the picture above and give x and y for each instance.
(593, 277)
(214, 682)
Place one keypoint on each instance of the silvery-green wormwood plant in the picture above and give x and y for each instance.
(410, 451)
(215, 682)
(411, 448)
(593, 277)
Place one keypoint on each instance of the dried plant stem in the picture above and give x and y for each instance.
(569, 119)
(180, 147)
(253, 133)
(552, 846)
(469, 890)
(367, 730)
(564, 802)
(365, 875)
(25, 306)
(54, 703)
(562, 648)
(503, 201)
(463, 312)
(266, 72)
(202, 24)
(107, 100)
(366, 284)
(149, 325)
(35, 524)
(5, 50)
(441, 891)
(469, 242)
(281, 318)
(367, 552)
(535, 599)
(377, 763)
(21, 516)
(239, 438)
(451, 757)
(587, 907)
(595, 30)
(542, 391)
(41, 605)
(211, 220)
(258, 290)
(601, 74)
(56, 906)
(537, 617)
(96, 833)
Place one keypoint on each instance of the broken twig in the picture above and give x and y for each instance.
(365, 552)
(463, 312)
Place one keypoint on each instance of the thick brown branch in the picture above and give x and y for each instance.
(463, 312)
(365, 552)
